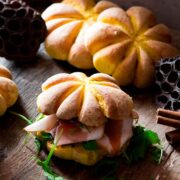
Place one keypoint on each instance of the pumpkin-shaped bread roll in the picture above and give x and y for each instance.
(124, 44)
(90, 99)
(67, 24)
(8, 90)
(127, 44)
(79, 110)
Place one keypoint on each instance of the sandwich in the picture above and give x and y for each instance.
(88, 118)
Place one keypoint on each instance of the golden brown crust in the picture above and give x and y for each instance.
(117, 17)
(88, 34)
(112, 54)
(4, 72)
(92, 99)
(141, 18)
(55, 44)
(113, 101)
(79, 54)
(103, 5)
(159, 32)
(66, 27)
(8, 90)
(60, 10)
(81, 5)
(103, 35)
(148, 41)
(77, 153)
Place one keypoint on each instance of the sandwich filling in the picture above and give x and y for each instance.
(110, 137)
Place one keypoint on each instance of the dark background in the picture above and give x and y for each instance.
(167, 11)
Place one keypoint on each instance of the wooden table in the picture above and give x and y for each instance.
(16, 162)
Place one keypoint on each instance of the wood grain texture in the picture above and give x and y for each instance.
(16, 160)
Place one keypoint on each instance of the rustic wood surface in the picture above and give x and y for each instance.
(16, 160)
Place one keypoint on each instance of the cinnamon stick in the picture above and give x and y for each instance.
(173, 136)
(169, 113)
(168, 118)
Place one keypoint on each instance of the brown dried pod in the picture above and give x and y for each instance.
(39, 3)
(168, 83)
(21, 30)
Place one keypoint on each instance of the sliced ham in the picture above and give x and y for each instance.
(45, 124)
(74, 132)
(117, 133)
(111, 137)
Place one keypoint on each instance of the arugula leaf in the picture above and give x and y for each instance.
(48, 171)
(46, 136)
(141, 141)
(38, 144)
(51, 176)
(39, 117)
(90, 145)
(152, 137)
(28, 121)
(157, 153)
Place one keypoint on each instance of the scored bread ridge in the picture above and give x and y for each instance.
(137, 27)
(8, 90)
(101, 35)
(92, 100)
(4, 72)
(67, 23)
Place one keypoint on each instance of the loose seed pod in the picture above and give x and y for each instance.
(168, 83)
(21, 30)
(39, 3)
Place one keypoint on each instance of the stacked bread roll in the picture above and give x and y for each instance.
(124, 44)
(81, 109)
